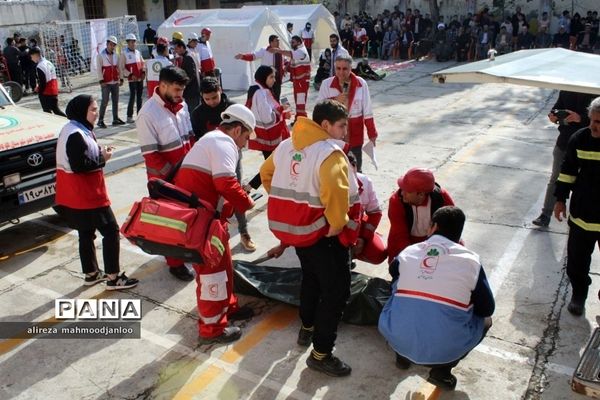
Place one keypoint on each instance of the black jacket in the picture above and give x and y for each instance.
(205, 118)
(573, 101)
(580, 174)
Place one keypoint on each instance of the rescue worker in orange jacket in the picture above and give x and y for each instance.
(314, 206)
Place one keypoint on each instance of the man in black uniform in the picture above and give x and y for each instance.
(207, 117)
(580, 174)
(571, 114)
(185, 61)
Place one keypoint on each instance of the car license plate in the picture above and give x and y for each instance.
(37, 193)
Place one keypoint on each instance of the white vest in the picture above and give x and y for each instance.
(153, 67)
(62, 160)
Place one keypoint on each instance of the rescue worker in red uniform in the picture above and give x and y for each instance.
(370, 246)
(81, 195)
(47, 87)
(110, 80)
(299, 71)
(411, 208)
(154, 65)
(208, 171)
(352, 91)
(207, 60)
(271, 127)
(133, 68)
(308, 37)
(164, 131)
(314, 206)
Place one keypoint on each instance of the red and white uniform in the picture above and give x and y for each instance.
(164, 133)
(49, 71)
(271, 128)
(208, 171)
(132, 64)
(360, 35)
(307, 38)
(360, 114)
(108, 67)
(153, 67)
(300, 74)
(83, 190)
(374, 250)
(296, 214)
(207, 60)
(267, 58)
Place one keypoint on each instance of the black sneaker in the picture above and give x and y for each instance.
(118, 122)
(230, 334)
(330, 365)
(402, 362)
(305, 336)
(542, 220)
(576, 306)
(241, 314)
(445, 381)
(101, 124)
(93, 279)
(121, 282)
(182, 272)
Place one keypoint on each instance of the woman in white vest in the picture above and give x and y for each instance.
(81, 194)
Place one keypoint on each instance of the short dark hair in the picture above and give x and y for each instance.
(334, 35)
(9, 41)
(297, 38)
(273, 37)
(178, 43)
(35, 50)
(172, 74)
(450, 221)
(209, 85)
(289, 25)
(330, 110)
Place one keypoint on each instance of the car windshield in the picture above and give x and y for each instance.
(4, 100)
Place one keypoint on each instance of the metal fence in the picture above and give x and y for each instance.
(73, 45)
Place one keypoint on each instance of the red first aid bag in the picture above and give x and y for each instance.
(172, 228)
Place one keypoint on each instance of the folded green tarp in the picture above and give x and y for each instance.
(367, 295)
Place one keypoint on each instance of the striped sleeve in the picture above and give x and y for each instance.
(568, 170)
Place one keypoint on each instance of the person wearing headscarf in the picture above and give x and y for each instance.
(271, 128)
(81, 195)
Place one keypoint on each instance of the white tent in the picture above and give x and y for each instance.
(546, 68)
(321, 20)
(233, 31)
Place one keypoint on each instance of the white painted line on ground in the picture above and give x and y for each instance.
(507, 261)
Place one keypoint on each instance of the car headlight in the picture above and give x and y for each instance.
(11, 180)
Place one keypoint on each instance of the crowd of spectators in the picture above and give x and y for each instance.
(411, 34)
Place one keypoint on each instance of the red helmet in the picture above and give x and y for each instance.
(206, 31)
(162, 40)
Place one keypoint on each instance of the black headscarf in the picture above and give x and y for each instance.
(260, 76)
(77, 109)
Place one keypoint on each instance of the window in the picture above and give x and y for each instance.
(137, 8)
(94, 9)
(170, 6)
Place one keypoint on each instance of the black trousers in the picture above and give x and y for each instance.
(357, 151)
(136, 89)
(324, 290)
(256, 181)
(86, 222)
(50, 104)
(580, 246)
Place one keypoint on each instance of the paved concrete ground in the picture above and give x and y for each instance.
(490, 146)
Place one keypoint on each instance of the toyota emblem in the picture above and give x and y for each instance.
(35, 159)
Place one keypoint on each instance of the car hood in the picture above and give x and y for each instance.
(20, 126)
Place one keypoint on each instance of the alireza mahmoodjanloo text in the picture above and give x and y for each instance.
(87, 319)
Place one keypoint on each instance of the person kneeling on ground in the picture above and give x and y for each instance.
(364, 70)
(441, 303)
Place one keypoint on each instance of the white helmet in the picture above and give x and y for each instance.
(112, 39)
(192, 36)
(239, 113)
(130, 36)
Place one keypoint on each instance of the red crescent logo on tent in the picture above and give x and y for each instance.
(178, 21)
